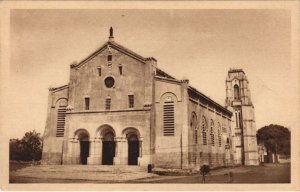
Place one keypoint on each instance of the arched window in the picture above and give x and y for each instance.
(219, 135)
(212, 133)
(194, 127)
(236, 92)
(204, 131)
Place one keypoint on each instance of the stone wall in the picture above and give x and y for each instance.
(212, 154)
(119, 122)
(170, 151)
(52, 145)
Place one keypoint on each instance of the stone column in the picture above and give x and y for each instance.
(70, 147)
(98, 149)
(76, 151)
(71, 154)
(124, 155)
(118, 151)
(67, 158)
(140, 158)
(94, 156)
(141, 146)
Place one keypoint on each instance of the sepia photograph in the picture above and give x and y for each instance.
(148, 95)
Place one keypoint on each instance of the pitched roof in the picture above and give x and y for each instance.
(195, 94)
(54, 89)
(116, 46)
(163, 74)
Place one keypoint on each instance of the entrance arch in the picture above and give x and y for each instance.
(134, 142)
(133, 149)
(84, 145)
(108, 146)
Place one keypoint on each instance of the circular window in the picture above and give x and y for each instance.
(109, 82)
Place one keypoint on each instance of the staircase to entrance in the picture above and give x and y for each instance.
(106, 173)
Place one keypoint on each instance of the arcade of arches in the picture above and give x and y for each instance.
(106, 148)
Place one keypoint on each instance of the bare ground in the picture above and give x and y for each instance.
(270, 173)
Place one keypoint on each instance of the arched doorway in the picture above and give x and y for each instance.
(108, 148)
(133, 149)
(84, 142)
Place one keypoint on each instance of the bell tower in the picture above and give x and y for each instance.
(238, 101)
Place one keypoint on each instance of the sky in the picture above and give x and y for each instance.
(201, 45)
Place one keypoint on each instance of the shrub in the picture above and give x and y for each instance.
(29, 148)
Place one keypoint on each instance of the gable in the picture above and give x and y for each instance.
(110, 45)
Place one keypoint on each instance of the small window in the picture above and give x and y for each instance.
(131, 101)
(120, 70)
(107, 103)
(99, 71)
(196, 136)
(212, 134)
(240, 120)
(109, 58)
(87, 103)
(236, 120)
(219, 135)
(194, 126)
(236, 92)
(204, 130)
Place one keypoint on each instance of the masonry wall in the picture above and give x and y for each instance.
(171, 151)
(250, 142)
(209, 153)
(93, 123)
(52, 145)
(88, 83)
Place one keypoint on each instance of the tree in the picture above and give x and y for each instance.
(27, 149)
(276, 138)
(204, 170)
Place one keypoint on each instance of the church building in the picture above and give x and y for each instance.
(119, 108)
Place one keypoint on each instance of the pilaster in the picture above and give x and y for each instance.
(95, 152)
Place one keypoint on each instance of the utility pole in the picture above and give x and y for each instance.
(242, 134)
(181, 150)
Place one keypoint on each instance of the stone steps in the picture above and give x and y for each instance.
(86, 172)
(87, 168)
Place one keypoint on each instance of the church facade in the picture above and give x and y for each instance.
(119, 108)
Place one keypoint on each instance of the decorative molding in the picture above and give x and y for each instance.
(167, 79)
(108, 111)
(55, 89)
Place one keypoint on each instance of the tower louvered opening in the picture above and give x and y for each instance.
(169, 126)
(61, 115)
